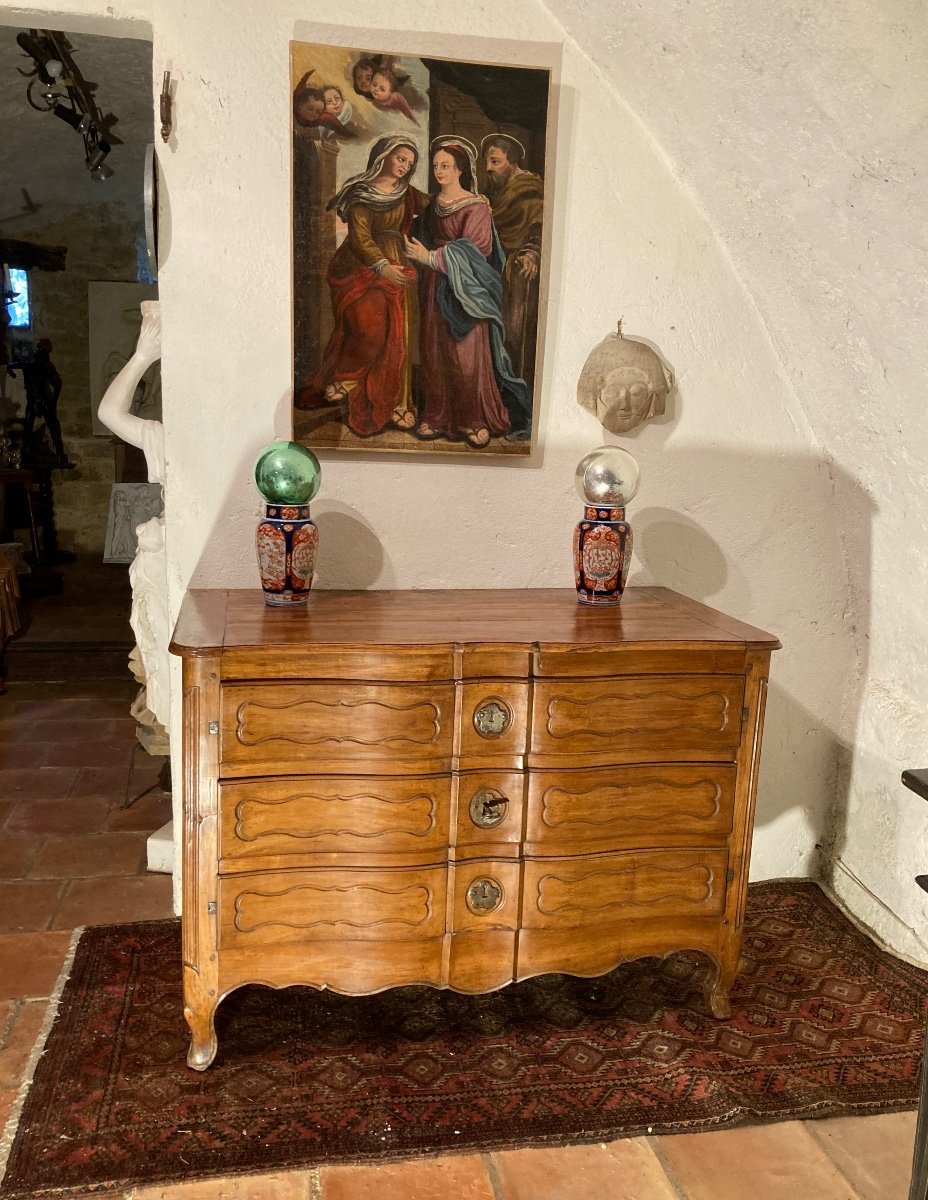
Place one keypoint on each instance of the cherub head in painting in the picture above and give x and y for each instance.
(334, 99)
(308, 102)
(362, 73)
(386, 95)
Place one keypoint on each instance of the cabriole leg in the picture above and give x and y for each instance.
(203, 1041)
(718, 985)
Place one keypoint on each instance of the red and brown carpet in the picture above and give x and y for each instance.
(823, 1024)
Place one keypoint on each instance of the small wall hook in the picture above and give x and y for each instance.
(166, 115)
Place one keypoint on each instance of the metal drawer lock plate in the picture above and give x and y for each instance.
(488, 808)
(484, 896)
(492, 718)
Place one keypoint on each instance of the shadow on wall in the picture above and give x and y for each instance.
(354, 556)
(797, 564)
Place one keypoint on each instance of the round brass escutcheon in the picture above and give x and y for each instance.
(492, 718)
(484, 896)
(488, 808)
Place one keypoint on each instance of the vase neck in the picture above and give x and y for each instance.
(287, 512)
(594, 512)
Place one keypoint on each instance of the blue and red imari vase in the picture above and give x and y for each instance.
(287, 540)
(602, 554)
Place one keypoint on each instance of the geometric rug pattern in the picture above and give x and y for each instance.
(823, 1023)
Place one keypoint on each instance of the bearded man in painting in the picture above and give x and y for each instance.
(517, 199)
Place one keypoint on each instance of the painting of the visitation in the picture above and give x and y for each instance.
(418, 251)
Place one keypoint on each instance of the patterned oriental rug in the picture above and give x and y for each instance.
(823, 1024)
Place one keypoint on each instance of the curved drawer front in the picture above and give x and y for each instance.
(321, 904)
(571, 893)
(267, 728)
(614, 808)
(640, 713)
(354, 814)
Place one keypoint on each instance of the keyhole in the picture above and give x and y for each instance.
(488, 808)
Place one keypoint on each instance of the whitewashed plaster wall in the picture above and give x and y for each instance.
(802, 131)
(738, 503)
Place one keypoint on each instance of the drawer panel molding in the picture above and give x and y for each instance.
(307, 906)
(358, 815)
(363, 722)
(703, 710)
(332, 814)
(634, 806)
(598, 890)
(261, 909)
(331, 722)
(596, 806)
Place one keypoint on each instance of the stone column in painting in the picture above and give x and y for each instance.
(314, 171)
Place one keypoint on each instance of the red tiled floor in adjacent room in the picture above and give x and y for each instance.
(148, 812)
(21, 756)
(85, 857)
(93, 732)
(112, 900)
(70, 815)
(36, 783)
(111, 753)
(16, 855)
(27, 906)
(73, 709)
(101, 781)
(30, 963)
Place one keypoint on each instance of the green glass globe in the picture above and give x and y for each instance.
(287, 473)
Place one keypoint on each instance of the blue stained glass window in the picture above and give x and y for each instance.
(18, 309)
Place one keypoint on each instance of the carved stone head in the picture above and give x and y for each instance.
(623, 383)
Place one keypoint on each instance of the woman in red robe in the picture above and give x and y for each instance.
(366, 366)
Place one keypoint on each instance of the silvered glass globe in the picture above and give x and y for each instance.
(287, 473)
(607, 476)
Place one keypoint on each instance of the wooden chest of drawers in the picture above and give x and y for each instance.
(461, 789)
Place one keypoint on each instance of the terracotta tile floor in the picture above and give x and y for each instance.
(70, 854)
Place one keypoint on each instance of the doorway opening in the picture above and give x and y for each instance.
(76, 200)
(78, 122)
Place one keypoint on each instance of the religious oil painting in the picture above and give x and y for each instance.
(418, 251)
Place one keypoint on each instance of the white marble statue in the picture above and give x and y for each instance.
(148, 572)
